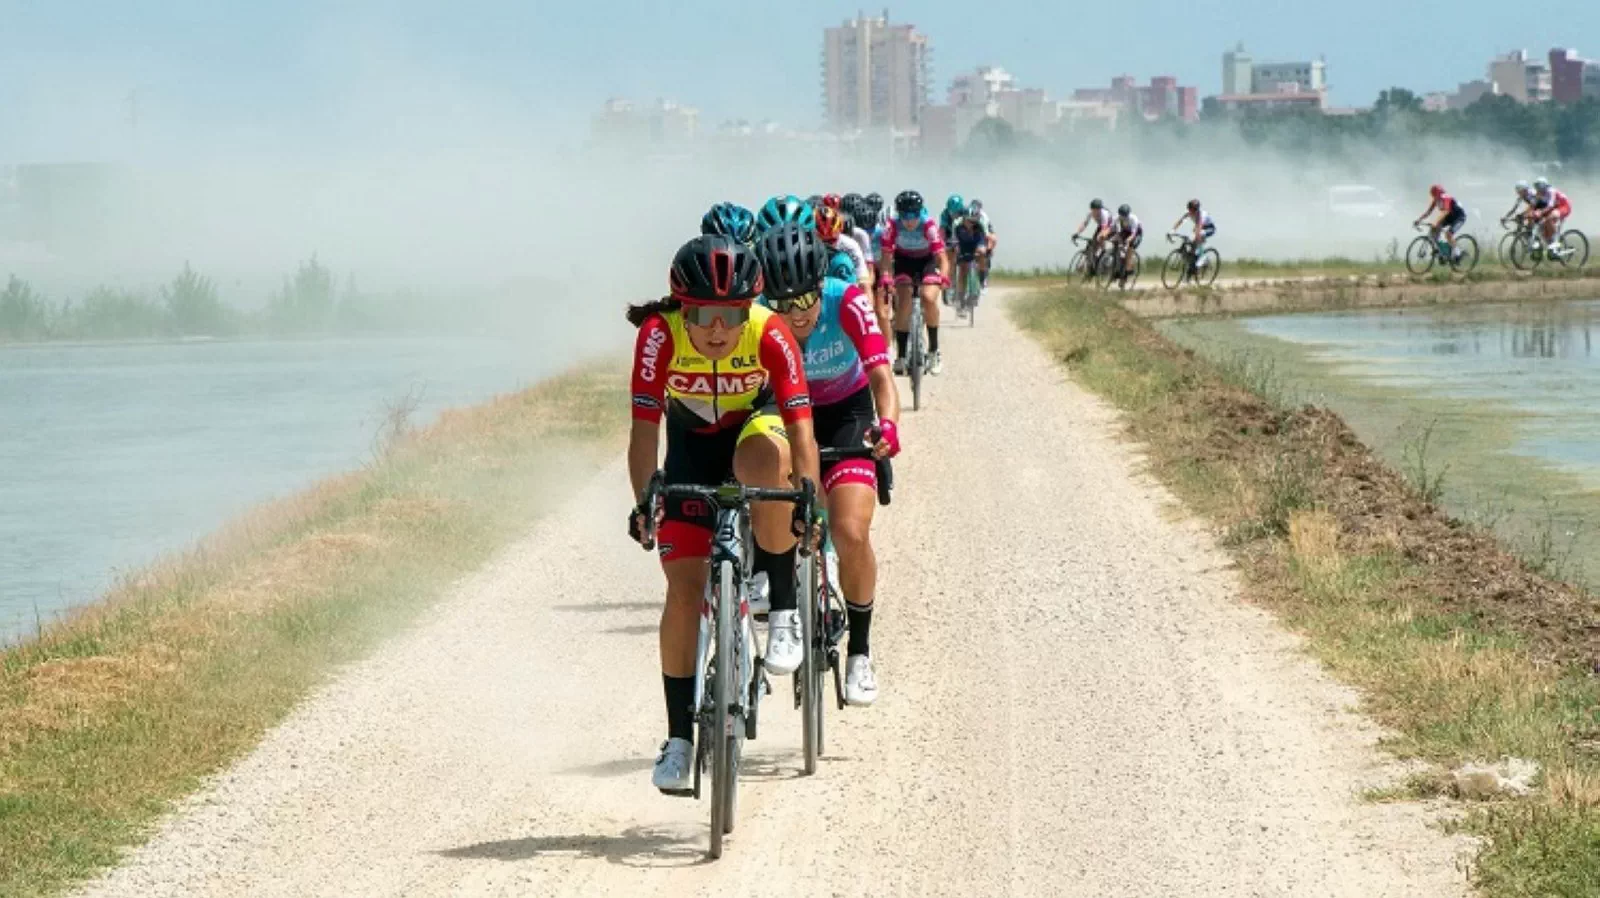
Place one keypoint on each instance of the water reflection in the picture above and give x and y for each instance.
(1537, 361)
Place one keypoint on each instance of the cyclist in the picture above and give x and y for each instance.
(854, 403)
(1128, 234)
(1101, 218)
(986, 259)
(1452, 216)
(1204, 228)
(971, 245)
(955, 209)
(1551, 209)
(1524, 204)
(911, 246)
(728, 377)
(730, 220)
(874, 221)
(853, 207)
(832, 228)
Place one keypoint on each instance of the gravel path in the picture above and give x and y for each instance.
(1074, 703)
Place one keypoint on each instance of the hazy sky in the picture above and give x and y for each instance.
(291, 74)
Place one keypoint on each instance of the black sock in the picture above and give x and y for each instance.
(900, 338)
(780, 576)
(680, 706)
(860, 629)
(933, 338)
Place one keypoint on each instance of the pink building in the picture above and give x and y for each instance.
(1566, 75)
(1162, 98)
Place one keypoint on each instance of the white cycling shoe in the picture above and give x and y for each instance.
(674, 773)
(900, 367)
(935, 363)
(860, 683)
(784, 648)
(760, 595)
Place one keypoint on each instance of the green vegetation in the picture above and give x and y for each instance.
(191, 304)
(1464, 651)
(108, 716)
(1395, 126)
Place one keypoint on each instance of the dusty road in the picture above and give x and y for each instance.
(1074, 703)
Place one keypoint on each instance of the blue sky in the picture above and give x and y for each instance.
(306, 74)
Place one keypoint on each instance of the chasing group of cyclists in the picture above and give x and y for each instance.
(1122, 232)
(1537, 205)
(769, 344)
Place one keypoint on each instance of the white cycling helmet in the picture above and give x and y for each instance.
(1541, 184)
(1522, 187)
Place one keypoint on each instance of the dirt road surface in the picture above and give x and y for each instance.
(1074, 703)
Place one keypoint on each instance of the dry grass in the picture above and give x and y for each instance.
(126, 704)
(1464, 651)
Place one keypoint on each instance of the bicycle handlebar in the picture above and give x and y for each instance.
(729, 495)
(885, 473)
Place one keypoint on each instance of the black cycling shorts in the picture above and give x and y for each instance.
(913, 267)
(697, 457)
(846, 424)
(1453, 221)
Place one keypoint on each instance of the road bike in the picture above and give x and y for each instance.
(917, 360)
(1428, 250)
(970, 290)
(1112, 270)
(1183, 265)
(823, 620)
(1528, 250)
(728, 678)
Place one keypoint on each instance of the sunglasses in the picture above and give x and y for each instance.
(795, 303)
(705, 315)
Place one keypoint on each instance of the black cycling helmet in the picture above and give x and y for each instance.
(793, 260)
(730, 220)
(909, 202)
(715, 268)
(875, 202)
(1194, 205)
(1124, 209)
(1096, 204)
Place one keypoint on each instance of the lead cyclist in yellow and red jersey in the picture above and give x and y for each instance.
(729, 380)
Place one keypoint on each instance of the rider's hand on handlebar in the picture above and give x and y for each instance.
(886, 442)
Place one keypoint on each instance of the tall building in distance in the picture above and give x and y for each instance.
(1247, 84)
(874, 75)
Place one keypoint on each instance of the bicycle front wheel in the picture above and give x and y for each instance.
(1574, 249)
(810, 673)
(915, 361)
(1174, 269)
(1523, 257)
(1420, 254)
(724, 762)
(1503, 251)
(1076, 265)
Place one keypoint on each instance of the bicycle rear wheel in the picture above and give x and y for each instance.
(1210, 263)
(1467, 245)
(724, 761)
(1574, 249)
(1420, 255)
(1174, 269)
(915, 362)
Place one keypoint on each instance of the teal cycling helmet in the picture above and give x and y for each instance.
(842, 267)
(955, 205)
(785, 210)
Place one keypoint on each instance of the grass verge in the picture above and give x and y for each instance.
(127, 705)
(1459, 647)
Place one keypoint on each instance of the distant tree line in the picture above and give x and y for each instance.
(1568, 133)
(308, 303)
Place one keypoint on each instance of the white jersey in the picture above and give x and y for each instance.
(851, 248)
(864, 241)
(1100, 219)
(1203, 220)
